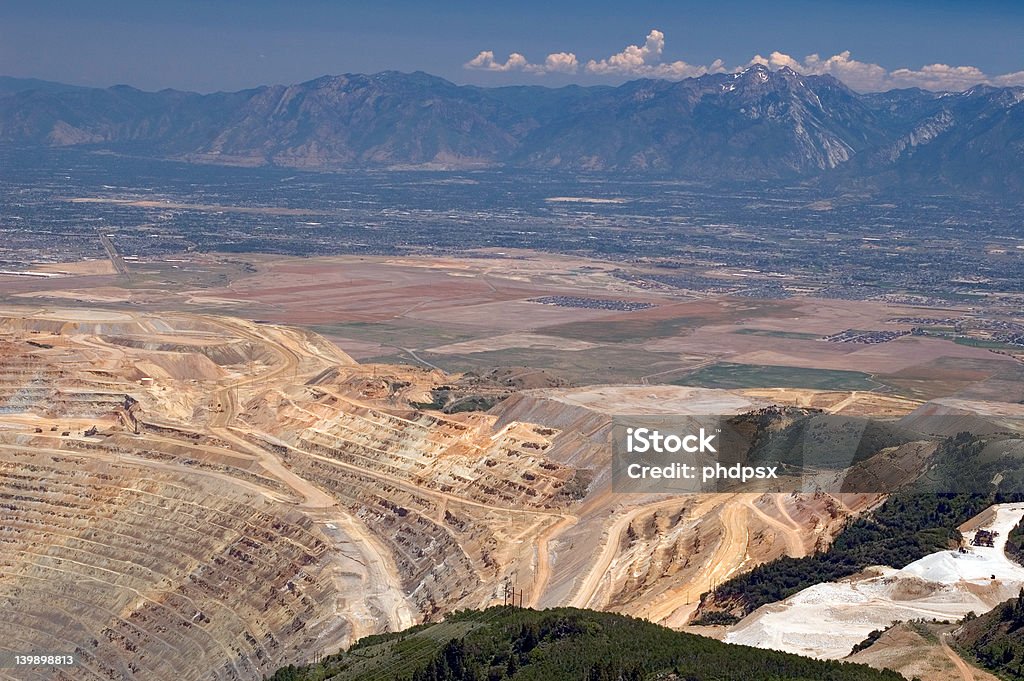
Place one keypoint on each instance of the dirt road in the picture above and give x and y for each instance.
(542, 572)
(966, 673)
(794, 538)
(587, 589)
(729, 556)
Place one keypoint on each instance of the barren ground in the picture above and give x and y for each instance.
(405, 513)
(212, 430)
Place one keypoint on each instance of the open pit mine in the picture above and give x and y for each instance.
(200, 497)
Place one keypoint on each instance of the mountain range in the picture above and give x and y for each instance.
(754, 125)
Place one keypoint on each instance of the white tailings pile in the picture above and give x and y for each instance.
(827, 620)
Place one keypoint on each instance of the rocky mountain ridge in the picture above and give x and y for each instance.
(753, 125)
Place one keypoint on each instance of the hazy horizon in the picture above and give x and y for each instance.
(232, 46)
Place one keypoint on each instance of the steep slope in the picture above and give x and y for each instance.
(996, 639)
(752, 124)
(342, 121)
(152, 572)
(965, 474)
(828, 619)
(384, 119)
(363, 513)
(756, 124)
(974, 140)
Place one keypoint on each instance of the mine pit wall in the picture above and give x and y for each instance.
(448, 498)
(654, 554)
(51, 381)
(112, 446)
(580, 440)
(83, 382)
(582, 435)
(425, 450)
(661, 550)
(202, 359)
(434, 569)
(142, 574)
(457, 501)
(446, 551)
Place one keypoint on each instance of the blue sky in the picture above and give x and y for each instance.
(230, 45)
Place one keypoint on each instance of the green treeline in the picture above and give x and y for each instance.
(565, 644)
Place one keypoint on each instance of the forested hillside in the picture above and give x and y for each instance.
(996, 639)
(564, 645)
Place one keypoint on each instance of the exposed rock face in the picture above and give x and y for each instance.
(156, 574)
(200, 497)
(756, 124)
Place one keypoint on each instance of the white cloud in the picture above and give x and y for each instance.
(868, 77)
(1009, 79)
(646, 61)
(561, 62)
(856, 74)
(485, 62)
(633, 59)
(939, 77)
(556, 62)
